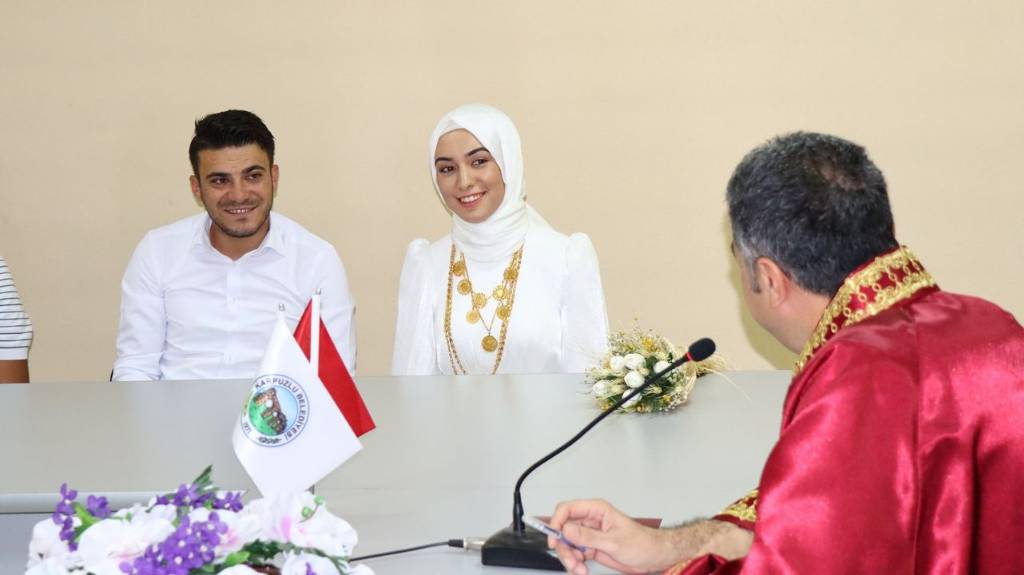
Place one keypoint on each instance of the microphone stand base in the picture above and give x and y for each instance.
(526, 550)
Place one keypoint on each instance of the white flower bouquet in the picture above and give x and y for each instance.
(196, 530)
(631, 357)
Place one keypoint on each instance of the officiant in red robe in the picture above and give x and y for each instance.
(901, 449)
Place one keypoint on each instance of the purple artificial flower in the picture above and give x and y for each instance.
(202, 500)
(64, 514)
(186, 495)
(309, 569)
(68, 493)
(232, 501)
(190, 547)
(97, 506)
(66, 497)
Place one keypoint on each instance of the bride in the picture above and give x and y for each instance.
(503, 292)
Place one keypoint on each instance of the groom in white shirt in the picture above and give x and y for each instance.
(199, 296)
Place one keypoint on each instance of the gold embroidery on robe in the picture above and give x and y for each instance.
(745, 509)
(886, 281)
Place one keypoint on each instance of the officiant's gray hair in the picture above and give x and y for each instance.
(814, 204)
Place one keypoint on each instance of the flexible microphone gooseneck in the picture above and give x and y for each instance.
(515, 546)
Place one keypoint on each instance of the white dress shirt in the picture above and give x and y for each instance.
(15, 326)
(558, 323)
(190, 312)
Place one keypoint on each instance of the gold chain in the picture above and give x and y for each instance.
(504, 295)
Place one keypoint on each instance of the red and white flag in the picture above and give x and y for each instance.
(292, 431)
(332, 371)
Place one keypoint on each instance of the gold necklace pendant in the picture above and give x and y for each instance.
(489, 343)
(504, 296)
(479, 300)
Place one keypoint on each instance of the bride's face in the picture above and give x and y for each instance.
(468, 177)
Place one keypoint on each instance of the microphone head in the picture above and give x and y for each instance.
(701, 349)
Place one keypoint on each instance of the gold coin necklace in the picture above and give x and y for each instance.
(503, 295)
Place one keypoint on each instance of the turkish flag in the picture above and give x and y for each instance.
(335, 376)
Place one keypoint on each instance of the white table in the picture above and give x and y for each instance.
(440, 465)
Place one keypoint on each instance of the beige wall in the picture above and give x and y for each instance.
(632, 115)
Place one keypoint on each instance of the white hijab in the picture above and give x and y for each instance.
(497, 237)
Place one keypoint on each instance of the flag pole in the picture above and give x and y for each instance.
(314, 334)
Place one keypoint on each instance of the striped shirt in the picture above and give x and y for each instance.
(15, 326)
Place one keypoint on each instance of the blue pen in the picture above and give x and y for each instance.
(549, 530)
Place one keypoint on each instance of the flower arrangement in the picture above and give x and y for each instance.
(631, 357)
(196, 530)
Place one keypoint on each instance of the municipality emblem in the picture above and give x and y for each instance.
(276, 412)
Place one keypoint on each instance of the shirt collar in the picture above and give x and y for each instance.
(874, 287)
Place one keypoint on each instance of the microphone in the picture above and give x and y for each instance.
(515, 546)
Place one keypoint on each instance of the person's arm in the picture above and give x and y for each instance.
(142, 329)
(742, 512)
(337, 306)
(13, 371)
(414, 352)
(839, 489)
(15, 331)
(839, 492)
(584, 317)
(617, 541)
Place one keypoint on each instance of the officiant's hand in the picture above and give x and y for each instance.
(617, 541)
(611, 538)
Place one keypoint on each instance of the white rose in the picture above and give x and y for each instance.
(634, 379)
(277, 514)
(281, 520)
(49, 566)
(328, 533)
(660, 366)
(616, 363)
(46, 543)
(632, 400)
(635, 361)
(600, 389)
(106, 544)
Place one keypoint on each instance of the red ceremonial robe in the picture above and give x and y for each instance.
(902, 442)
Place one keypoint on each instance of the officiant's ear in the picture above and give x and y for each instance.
(771, 279)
